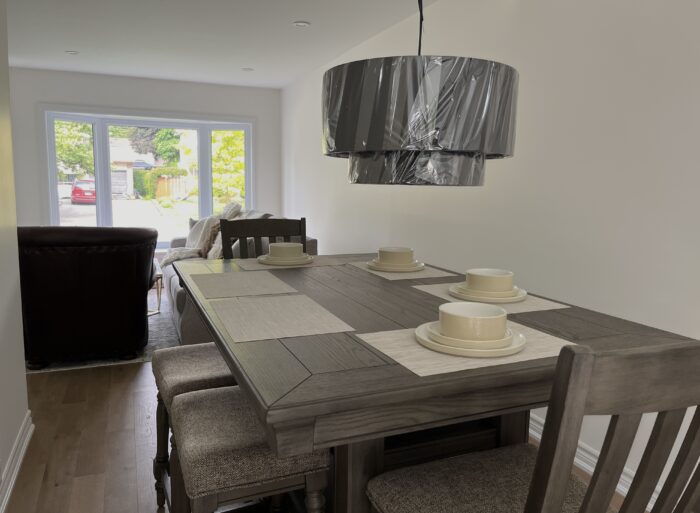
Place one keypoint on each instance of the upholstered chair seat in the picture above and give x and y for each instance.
(495, 481)
(221, 448)
(183, 369)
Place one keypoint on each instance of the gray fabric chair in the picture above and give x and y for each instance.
(495, 481)
(179, 370)
(220, 455)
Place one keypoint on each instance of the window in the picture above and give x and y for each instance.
(127, 171)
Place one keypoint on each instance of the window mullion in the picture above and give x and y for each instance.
(103, 178)
(206, 200)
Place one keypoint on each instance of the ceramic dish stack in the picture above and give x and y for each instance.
(474, 330)
(488, 286)
(286, 253)
(395, 260)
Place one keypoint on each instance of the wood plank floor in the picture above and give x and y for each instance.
(93, 443)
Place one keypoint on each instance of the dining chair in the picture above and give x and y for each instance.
(178, 370)
(622, 383)
(220, 456)
(259, 229)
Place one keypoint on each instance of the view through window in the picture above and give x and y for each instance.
(144, 173)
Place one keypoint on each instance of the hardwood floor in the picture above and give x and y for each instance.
(93, 442)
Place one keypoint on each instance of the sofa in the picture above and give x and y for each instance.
(84, 291)
(189, 324)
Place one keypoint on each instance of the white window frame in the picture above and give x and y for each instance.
(103, 177)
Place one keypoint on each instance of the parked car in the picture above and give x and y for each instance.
(83, 192)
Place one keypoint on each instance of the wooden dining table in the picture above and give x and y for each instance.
(335, 390)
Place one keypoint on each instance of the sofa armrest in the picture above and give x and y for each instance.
(178, 242)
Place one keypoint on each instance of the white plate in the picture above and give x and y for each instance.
(517, 345)
(435, 335)
(458, 292)
(265, 259)
(381, 267)
(485, 293)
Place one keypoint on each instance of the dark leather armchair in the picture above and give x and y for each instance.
(84, 291)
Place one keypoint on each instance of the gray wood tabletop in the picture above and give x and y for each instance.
(334, 390)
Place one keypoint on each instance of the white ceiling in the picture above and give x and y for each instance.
(195, 40)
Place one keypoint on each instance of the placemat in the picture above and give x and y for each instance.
(265, 317)
(252, 264)
(531, 303)
(401, 346)
(427, 272)
(234, 284)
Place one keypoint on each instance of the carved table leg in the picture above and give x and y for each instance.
(315, 487)
(355, 464)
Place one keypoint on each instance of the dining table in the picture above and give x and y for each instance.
(326, 356)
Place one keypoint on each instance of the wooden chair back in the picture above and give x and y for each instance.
(257, 229)
(625, 384)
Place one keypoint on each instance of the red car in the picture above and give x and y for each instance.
(83, 191)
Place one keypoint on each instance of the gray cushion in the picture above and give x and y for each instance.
(183, 369)
(495, 481)
(221, 444)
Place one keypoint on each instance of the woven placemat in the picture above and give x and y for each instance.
(234, 284)
(530, 304)
(402, 347)
(268, 317)
(426, 272)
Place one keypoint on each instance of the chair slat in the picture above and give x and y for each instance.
(287, 238)
(611, 462)
(257, 241)
(682, 468)
(658, 449)
(690, 501)
(242, 247)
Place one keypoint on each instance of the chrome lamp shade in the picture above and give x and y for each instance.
(419, 120)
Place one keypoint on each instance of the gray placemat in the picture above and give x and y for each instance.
(234, 284)
(268, 317)
(530, 304)
(402, 346)
(426, 272)
(252, 264)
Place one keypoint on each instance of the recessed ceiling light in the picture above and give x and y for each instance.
(248, 70)
(301, 23)
(72, 52)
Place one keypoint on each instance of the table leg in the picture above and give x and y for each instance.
(159, 291)
(514, 428)
(355, 464)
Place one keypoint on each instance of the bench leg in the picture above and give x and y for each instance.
(160, 462)
(179, 502)
(315, 486)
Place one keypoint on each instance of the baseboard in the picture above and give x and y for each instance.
(587, 458)
(14, 461)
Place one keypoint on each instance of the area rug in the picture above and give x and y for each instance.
(161, 333)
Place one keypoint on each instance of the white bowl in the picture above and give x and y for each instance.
(489, 280)
(396, 256)
(286, 250)
(472, 321)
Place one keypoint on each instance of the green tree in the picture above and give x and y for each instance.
(74, 146)
(162, 143)
(121, 131)
(228, 166)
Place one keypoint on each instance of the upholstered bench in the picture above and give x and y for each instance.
(179, 370)
(220, 455)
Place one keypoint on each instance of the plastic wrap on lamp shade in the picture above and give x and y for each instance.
(419, 120)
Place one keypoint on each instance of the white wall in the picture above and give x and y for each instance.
(32, 88)
(13, 386)
(599, 207)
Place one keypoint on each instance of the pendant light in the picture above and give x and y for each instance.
(419, 119)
